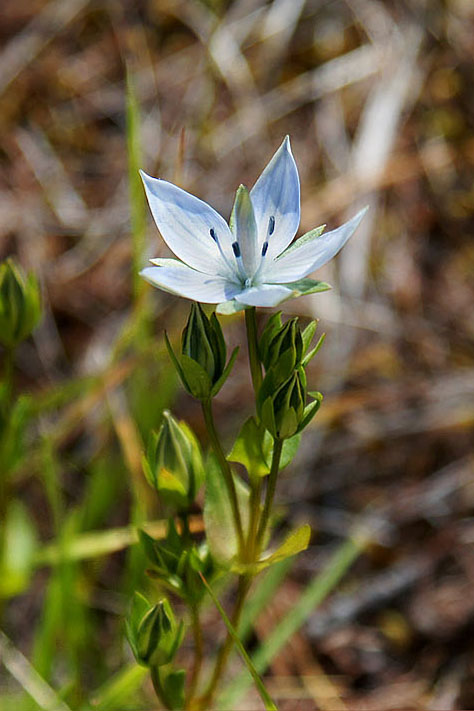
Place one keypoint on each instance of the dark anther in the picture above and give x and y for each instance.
(236, 248)
(271, 225)
(264, 248)
(213, 234)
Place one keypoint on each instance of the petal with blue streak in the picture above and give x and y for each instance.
(185, 223)
(313, 254)
(276, 194)
(180, 279)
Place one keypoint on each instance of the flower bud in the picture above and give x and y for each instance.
(202, 367)
(173, 463)
(281, 407)
(153, 632)
(284, 349)
(19, 304)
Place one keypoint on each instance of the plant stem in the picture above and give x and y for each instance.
(252, 341)
(198, 653)
(206, 700)
(226, 471)
(158, 686)
(270, 493)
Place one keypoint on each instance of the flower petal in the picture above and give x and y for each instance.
(312, 254)
(180, 279)
(264, 295)
(242, 222)
(276, 194)
(185, 223)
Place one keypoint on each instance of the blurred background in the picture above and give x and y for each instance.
(377, 97)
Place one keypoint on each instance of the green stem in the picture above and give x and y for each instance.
(198, 654)
(270, 493)
(226, 471)
(158, 687)
(255, 497)
(206, 700)
(252, 341)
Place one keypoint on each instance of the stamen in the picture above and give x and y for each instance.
(236, 248)
(213, 234)
(264, 248)
(271, 225)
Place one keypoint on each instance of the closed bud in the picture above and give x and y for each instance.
(285, 348)
(281, 407)
(202, 364)
(153, 632)
(19, 304)
(203, 342)
(173, 463)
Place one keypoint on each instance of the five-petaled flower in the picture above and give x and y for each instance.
(251, 261)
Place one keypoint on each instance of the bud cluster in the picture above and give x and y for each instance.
(281, 400)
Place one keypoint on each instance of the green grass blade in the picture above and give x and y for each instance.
(137, 196)
(269, 704)
(262, 594)
(315, 593)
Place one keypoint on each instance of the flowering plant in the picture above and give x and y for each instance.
(250, 262)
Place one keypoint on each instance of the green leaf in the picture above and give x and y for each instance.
(265, 696)
(304, 239)
(248, 449)
(120, 688)
(294, 543)
(218, 518)
(226, 372)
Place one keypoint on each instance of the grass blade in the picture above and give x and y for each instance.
(269, 704)
(317, 590)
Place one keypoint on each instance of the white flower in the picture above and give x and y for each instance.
(249, 262)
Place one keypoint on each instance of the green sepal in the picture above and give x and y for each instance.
(304, 239)
(310, 410)
(296, 542)
(199, 382)
(175, 361)
(308, 335)
(218, 519)
(217, 386)
(309, 356)
(303, 287)
(270, 330)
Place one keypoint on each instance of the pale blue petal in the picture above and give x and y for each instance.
(276, 194)
(181, 280)
(243, 226)
(264, 295)
(185, 223)
(301, 261)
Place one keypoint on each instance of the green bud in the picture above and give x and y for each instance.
(153, 632)
(202, 366)
(281, 407)
(20, 308)
(285, 348)
(173, 463)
